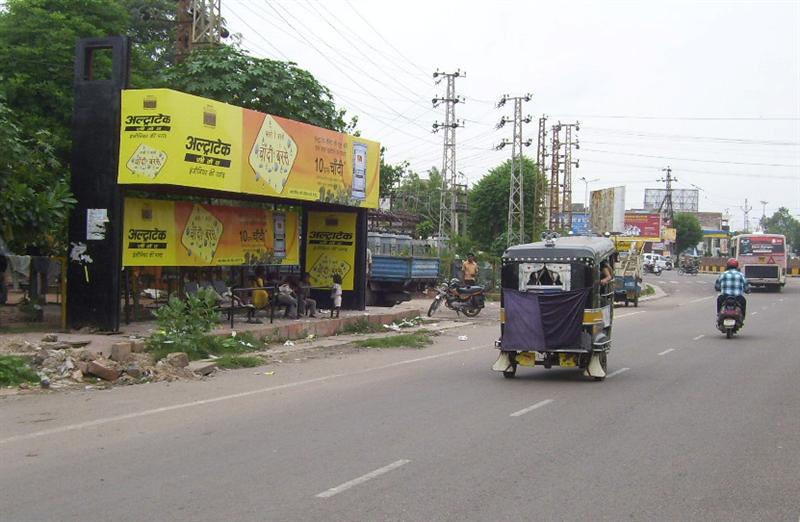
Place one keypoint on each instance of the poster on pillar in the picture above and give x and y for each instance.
(331, 248)
(183, 233)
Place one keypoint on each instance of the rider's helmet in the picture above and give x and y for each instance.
(732, 263)
(455, 282)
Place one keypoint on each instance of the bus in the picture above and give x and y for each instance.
(762, 259)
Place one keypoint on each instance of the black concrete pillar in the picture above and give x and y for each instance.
(95, 259)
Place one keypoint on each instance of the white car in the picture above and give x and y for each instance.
(658, 260)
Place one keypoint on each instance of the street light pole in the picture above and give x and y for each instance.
(586, 191)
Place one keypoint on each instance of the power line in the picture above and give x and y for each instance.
(694, 159)
(683, 118)
(657, 135)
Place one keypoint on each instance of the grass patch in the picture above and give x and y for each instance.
(239, 361)
(418, 339)
(361, 326)
(15, 370)
(201, 346)
(648, 290)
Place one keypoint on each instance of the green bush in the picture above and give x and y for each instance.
(184, 326)
(418, 339)
(360, 326)
(15, 370)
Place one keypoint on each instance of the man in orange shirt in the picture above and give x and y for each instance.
(470, 270)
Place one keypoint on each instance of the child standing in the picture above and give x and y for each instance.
(336, 294)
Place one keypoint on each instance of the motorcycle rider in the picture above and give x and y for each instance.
(732, 283)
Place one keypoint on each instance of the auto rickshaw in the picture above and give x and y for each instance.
(554, 311)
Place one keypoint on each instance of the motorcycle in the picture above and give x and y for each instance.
(652, 269)
(730, 318)
(688, 268)
(469, 301)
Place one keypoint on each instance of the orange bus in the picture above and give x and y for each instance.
(762, 259)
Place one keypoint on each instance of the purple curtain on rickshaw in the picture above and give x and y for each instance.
(542, 321)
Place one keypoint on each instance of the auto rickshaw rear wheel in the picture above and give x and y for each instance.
(509, 374)
(603, 364)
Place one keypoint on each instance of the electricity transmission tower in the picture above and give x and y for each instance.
(199, 24)
(516, 206)
(540, 213)
(665, 208)
(449, 208)
(566, 208)
(746, 210)
(555, 155)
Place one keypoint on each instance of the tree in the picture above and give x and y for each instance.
(687, 231)
(37, 51)
(228, 74)
(36, 199)
(391, 175)
(488, 204)
(420, 196)
(782, 222)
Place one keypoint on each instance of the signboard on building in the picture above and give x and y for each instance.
(643, 225)
(683, 200)
(172, 138)
(580, 223)
(607, 210)
(183, 233)
(330, 248)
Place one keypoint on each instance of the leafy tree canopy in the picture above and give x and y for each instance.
(35, 198)
(488, 205)
(687, 231)
(782, 222)
(229, 74)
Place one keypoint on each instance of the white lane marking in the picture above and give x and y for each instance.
(781, 299)
(363, 478)
(616, 372)
(703, 299)
(531, 408)
(754, 313)
(629, 314)
(146, 413)
(674, 282)
(698, 337)
(667, 351)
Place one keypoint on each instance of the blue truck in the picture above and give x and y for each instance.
(400, 266)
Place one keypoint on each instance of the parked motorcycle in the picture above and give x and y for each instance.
(469, 301)
(730, 318)
(652, 268)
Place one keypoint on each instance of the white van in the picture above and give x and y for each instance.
(659, 260)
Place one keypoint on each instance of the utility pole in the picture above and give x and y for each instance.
(566, 213)
(746, 210)
(554, 207)
(665, 208)
(516, 193)
(540, 188)
(448, 209)
(199, 24)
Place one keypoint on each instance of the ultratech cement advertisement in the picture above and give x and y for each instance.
(331, 248)
(181, 233)
(172, 138)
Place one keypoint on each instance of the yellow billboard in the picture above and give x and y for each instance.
(183, 233)
(331, 248)
(172, 138)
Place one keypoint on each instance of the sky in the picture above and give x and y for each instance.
(710, 89)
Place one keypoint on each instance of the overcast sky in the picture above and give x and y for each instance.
(711, 89)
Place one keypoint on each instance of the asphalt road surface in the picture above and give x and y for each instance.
(688, 426)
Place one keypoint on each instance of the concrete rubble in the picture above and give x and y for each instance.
(73, 364)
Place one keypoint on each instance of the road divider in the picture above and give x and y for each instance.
(363, 478)
(531, 408)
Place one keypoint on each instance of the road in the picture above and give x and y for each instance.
(689, 426)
